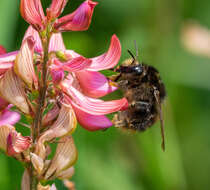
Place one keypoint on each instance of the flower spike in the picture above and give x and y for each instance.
(79, 20)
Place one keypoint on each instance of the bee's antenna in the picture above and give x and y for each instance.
(137, 50)
(131, 54)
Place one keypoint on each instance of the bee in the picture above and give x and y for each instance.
(142, 86)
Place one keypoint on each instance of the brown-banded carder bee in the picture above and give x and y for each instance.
(142, 86)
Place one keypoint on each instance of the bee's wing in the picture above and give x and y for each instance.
(157, 97)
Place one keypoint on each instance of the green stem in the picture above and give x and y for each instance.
(41, 104)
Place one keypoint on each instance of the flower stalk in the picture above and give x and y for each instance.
(42, 73)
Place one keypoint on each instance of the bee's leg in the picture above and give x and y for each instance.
(115, 78)
(157, 97)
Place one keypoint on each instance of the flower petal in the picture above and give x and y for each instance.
(91, 105)
(37, 162)
(32, 32)
(79, 20)
(65, 156)
(56, 9)
(91, 122)
(64, 125)
(66, 174)
(16, 143)
(109, 59)
(12, 91)
(56, 43)
(7, 61)
(57, 76)
(74, 64)
(97, 85)
(9, 117)
(32, 12)
(25, 183)
(24, 66)
(51, 115)
(4, 132)
(2, 50)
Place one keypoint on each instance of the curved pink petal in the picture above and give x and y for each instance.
(91, 122)
(97, 85)
(2, 50)
(56, 8)
(16, 143)
(24, 65)
(109, 59)
(7, 61)
(32, 32)
(79, 20)
(56, 43)
(57, 76)
(9, 117)
(91, 105)
(75, 64)
(32, 12)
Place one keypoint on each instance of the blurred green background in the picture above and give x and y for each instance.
(115, 160)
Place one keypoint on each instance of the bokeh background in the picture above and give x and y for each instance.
(116, 160)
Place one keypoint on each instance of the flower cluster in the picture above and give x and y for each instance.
(54, 88)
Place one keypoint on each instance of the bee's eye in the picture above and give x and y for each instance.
(138, 69)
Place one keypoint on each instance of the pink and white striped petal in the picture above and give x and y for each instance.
(97, 86)
(65, 156)
(4, 132)
(16, 143)
(11, 89)
(56, 8)
(32, 12)
(56, 43)
(109, 59)
(64, 125)
(91, 122)
(105, 61)
(9, 117)
(7, 61)
(91, 105)
(79, 20)
(73, 65)
(24, 66)
(32, 32)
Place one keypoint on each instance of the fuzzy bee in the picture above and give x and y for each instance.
(142, 86)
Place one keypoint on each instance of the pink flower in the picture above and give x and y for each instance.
(16, 143)
(80, 19)
(32, 12)
(84, 83)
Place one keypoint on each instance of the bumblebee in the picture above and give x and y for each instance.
(142, 86)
